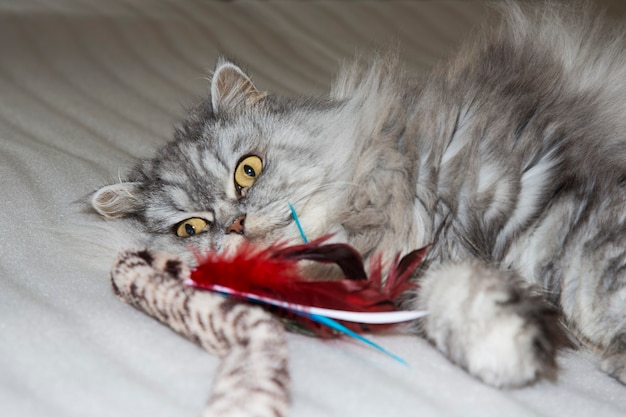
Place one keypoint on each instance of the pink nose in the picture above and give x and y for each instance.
(237, 225)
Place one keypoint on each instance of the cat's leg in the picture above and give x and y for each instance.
(614, 358)
(600, 322)
(596, 312)
(488, 322)
(593, 297)
(590, 275)
(253, 378)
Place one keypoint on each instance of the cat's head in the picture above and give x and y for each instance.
(236, 162)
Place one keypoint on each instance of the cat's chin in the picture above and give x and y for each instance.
(232, 242)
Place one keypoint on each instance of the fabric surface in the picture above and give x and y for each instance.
(86, 87)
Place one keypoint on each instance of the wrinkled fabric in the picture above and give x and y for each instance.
(86, 87)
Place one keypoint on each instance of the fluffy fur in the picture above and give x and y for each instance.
(509, 160)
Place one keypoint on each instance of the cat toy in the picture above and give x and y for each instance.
(248, 339)
(350, 305)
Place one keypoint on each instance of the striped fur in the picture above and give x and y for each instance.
(509, 159)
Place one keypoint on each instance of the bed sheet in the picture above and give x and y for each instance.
(88, 86)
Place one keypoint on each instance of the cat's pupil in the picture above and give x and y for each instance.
(190, 230)
(249, 171)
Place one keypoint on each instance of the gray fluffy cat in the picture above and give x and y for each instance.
(509, 160)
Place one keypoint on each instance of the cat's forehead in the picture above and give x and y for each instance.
(211, 149)
(202, 166)
(240, 136)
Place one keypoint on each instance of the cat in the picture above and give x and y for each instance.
(508, 160)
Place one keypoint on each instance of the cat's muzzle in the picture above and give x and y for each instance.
(237, 225)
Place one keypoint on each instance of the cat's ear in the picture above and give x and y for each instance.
(116, 200)
(232, 89)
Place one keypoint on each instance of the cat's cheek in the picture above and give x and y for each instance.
(257, 226)
(264, 230)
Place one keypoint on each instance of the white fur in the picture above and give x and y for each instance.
(461, 138)
(469, 323)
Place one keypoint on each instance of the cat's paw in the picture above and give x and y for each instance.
(487, 322)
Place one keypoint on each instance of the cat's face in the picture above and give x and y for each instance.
(236, 164)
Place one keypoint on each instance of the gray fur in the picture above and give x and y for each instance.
(508, 159)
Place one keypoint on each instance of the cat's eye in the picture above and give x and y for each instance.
(247, 171)
(191, 227)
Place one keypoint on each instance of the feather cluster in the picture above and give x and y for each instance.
(274, 273)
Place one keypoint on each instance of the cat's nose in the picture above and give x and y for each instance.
(237, 225)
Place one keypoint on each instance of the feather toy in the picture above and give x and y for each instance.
(272, 277)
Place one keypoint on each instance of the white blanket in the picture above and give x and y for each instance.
(86, 87)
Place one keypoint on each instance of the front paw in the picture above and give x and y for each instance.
(487, 322)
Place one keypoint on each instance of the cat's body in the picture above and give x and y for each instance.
(509, 161)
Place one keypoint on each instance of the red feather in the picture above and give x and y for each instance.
(274, 273)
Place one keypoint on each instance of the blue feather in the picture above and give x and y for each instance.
(297, 220)
(333, 324)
